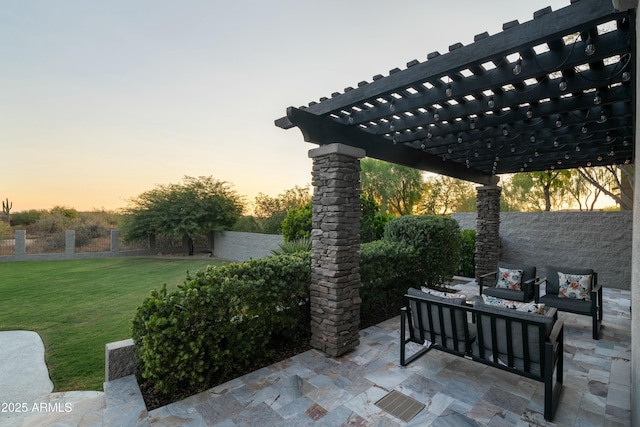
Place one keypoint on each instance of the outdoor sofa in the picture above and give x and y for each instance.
(528, 344)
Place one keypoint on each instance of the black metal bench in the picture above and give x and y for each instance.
(530, 345)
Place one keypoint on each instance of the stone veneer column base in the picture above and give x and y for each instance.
(487, 229)
(335, 259)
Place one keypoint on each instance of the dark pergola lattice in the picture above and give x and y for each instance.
(555, 92)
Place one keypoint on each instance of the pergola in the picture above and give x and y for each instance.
(556, 92)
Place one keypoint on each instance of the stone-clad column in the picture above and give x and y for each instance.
(335, 259)
(488, 229)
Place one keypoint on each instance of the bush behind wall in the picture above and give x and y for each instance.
(437, 240)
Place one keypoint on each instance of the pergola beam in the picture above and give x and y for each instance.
(325, 131)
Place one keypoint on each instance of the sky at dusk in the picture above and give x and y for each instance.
(102, 100)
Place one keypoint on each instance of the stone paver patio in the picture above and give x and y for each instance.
(311, 389)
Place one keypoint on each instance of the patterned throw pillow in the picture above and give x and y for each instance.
(448, 295)
(576, 286)
(509, 279)
(527, 307)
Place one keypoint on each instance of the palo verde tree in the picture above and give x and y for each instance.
(196, 206)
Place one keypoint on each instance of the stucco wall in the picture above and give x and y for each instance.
(598, 240)
(239, 246)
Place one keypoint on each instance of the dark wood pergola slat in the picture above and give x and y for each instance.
(395, 117)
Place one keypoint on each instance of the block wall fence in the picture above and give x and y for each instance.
(598, 240)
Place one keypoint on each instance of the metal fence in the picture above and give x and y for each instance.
(67, 244)
(7, 244)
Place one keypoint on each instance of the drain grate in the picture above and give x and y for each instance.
(400, 405)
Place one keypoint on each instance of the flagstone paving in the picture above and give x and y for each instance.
(311, 389)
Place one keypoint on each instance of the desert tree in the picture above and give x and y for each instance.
(196, 206)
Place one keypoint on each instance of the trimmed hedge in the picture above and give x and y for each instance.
(387, 270)
(468, 253)
(437, 240)
(221, 321)
(225, 319)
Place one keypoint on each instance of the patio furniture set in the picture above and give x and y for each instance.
(509, 326)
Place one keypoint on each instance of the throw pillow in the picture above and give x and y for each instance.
(509, 279)
(442, 294)
(527, 307)
(576, 286)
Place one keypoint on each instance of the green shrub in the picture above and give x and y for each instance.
(437, 241)
(25, 218)
(221, 321)
(387, 270)
(5, 230)
(468, 253)
(273, 223)
(297, 223)
(372, 221)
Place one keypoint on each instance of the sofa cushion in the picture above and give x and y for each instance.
(512, 332)
(576, 286)
(553, 287)
(567, 304)
(509, 279)
(509, 294)
(450, 316)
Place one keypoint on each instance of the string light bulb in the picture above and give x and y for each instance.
(559, 121)
(562, 85)
(590, 48)
(603, 117)
(448, 91)
(472, 123)
(584, 129)
(491, 103)
(626, 76)
(517, 69)
(597, 99)
(505, 131)
(529, 113)
(436, 116)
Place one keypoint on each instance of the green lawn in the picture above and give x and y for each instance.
(79, 306)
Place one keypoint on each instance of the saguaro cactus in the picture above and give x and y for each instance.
(6, 208)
